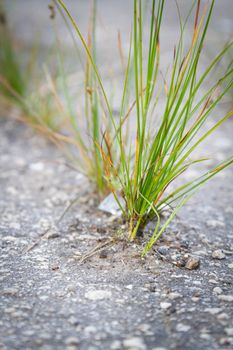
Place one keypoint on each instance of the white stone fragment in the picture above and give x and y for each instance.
(116, 345)
(218, 254)
(217, 290)
(229, 331)
(165, 305)
(174, 295)
(110, 205)
(227, 298)
(182, 327)
(98, 294)
(134, 343)
(213, 310)
(215, 223)
(37, 166)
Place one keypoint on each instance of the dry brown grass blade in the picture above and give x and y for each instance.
(97, 249)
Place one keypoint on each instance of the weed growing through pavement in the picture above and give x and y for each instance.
(143, 170)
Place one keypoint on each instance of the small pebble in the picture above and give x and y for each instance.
(134, 343)
(152, 288)
(184, 244)
(218, 254)
(165, 305)
(182, 327)
(224, 341)
(174, 295)
(192, 263)
(227, 298)
(73, 320)
(180, 262)
(213, 310)
(10, 291)
(37, 166)
(129, 286)
(89, 330)
(144, 327)
(229, 331)
(163, 250)
(215, 223)
(213, 281)
(71, 341)
(53, 235)
(98, 294)
(223, 316)
(195, 299)
(116, 345)
(103, 254)
(205, 336)
(217, 290)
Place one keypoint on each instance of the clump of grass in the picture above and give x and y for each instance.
(160, 158)
(142, 171)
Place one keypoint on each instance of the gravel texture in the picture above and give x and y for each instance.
(78, 284)
(54, 296)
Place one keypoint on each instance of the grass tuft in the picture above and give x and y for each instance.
(164, 141)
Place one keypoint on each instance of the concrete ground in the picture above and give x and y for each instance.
(53, 298)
